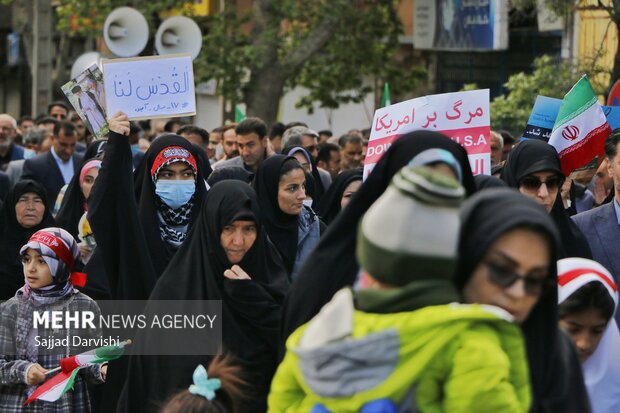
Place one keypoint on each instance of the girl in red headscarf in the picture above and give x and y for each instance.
(29, 350)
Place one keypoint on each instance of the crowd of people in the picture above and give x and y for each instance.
(421, 288)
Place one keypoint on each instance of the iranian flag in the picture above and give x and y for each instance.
(54, 388)
(581, 127)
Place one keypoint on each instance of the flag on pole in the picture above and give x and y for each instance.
(239, 115)
(54, 388)
(385, 99)
(581, 127)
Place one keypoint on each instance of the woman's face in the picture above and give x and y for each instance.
(542, 187)
(352, 188)
(36, 270)
(29, 210)
(586, 329)
(512, 274)
(303, 161)
(89, 181)
(237, 238)
(292, 192)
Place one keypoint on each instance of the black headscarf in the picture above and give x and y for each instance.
(281, 227)
(488, 181)
(329, 207)
(126, 230)
(533, 156)
(250, 308)
(126, 227)
(13, 236)
(555, 372)
(236, 173)
(332, 264)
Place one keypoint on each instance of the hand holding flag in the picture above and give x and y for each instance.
(54, 388)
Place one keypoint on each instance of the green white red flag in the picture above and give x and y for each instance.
(581, 127)
(54, 388)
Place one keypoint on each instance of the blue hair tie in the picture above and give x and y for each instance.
(203, 385)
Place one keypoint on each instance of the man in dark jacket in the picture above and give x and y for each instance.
(55, 168)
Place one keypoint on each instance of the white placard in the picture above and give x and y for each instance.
(150, 87)
(462, 116)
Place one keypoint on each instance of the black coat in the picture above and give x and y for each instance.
(5, 185)
(332, 264)
(251, 309)
(126, 228)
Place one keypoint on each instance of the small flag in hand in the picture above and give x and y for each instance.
(54, 388)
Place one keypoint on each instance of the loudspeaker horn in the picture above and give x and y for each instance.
(178, 34)
(83, 62)
(125, 32)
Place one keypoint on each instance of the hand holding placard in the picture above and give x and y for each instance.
(119, 123)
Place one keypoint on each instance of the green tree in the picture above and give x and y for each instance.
(328, 46)
(549, 77)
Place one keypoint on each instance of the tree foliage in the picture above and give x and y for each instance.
(330, 47)
(549, 77)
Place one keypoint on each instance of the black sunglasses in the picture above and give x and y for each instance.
(505, 277)
(533, 183)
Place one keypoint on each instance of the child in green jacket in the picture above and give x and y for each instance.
(402, 343)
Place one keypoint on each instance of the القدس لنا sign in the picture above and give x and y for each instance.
(150, 87)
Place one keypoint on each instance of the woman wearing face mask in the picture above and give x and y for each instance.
(229, 258)
(137, 240)
(533, 167)
(293, 227)
(588, 298)
(138, 234)
(507, 258)
(24, 212)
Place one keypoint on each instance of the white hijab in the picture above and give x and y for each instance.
(602, 369)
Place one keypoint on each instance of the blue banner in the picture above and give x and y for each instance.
(542, 118)
(461, 25)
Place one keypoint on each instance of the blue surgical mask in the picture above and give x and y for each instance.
(175, 193)
(135, 148)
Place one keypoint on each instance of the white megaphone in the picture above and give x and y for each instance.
(83, 62)
(125, 32)
(178, 34)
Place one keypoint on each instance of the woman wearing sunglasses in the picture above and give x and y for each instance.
(507, 258)
(533, 167)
